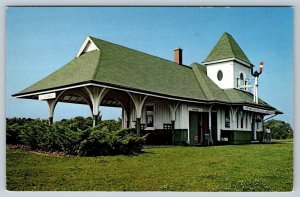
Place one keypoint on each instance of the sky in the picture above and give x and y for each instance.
(39, 40)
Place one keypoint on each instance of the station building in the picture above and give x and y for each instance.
(209, 102)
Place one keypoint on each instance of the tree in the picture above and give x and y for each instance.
(279, 129)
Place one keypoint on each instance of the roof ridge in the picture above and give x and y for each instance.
(98, 66)
(226, 47)
(212, 94)
(135, 50)
(230, 44)
(233, 51)
(198, 78)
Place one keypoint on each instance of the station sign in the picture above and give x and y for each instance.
(195, 109)
(47, 96)
(254, 109)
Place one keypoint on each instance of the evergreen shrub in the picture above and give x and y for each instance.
(74, 137)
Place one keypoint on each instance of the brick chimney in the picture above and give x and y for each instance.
(178, 56)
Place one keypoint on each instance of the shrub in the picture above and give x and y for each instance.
(69, 140)
(280, 129)
(76, 123)
(74, 136)
(102, 141)
(15, 125)
(12, 134)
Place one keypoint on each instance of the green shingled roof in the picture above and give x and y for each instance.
(78, 70)
(214, 93)
(225, 48)
(120, 66)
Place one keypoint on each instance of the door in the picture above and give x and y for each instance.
(214, 126)
(198, 127)
(194, 127)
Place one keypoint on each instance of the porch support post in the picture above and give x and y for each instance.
(234, 118)
(127, 123)
(138, 127)
(173, 131)
(52, 104)
(138, 101)
(95, 120)
(173, 107)
(209, 124)
(263, 129)
(96, 95)
(128, 119)
(219, 115)
(255, 128)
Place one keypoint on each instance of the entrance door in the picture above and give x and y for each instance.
(193, 127)
(198, 127)
(214, 126)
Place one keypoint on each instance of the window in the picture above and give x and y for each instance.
(220, 75)
(149, 115)
(227, 118)
(240, 81)
(246, 83)
(242, 76)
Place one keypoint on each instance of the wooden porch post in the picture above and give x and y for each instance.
(51, 104)
(138, 101)
(173, 131)
(209, 125)
(138, 127)
(173, 107)
(96, 95)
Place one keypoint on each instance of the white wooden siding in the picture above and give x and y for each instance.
(162, 115)
(227, 70)
(182, 116)
(237, 70)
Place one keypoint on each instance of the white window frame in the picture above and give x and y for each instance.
(153, 115)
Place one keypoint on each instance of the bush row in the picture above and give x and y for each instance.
(75, 137)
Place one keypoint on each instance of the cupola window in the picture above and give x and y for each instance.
(241, 76)
(220, 75)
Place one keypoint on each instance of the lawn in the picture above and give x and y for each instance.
(259, 167)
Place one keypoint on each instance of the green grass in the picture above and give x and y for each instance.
(261, 167)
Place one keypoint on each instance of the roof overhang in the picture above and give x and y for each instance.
(227, 60)
(249, 106)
